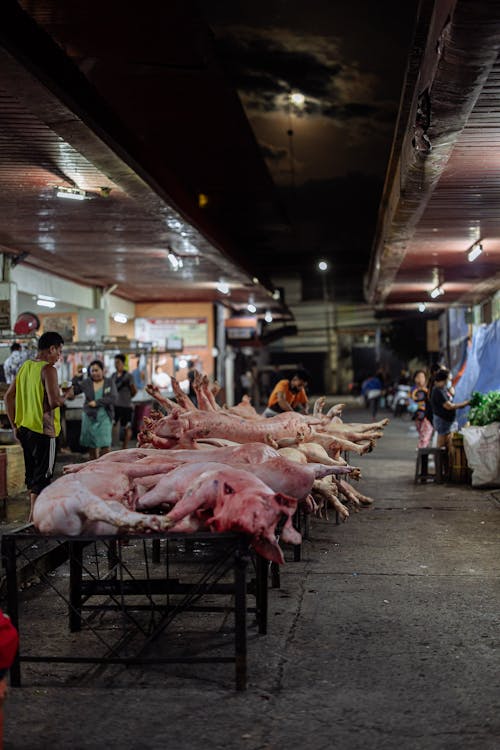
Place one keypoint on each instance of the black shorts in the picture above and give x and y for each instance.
(39, 458)
(123, 415)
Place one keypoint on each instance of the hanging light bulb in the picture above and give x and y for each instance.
(268, 317)
(251, 307)
(422, 307)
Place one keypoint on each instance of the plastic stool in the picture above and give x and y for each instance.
(440, 456)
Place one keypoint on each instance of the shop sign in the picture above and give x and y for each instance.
(234, 334)
(192, 331)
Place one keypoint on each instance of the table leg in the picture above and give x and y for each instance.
(240, 614)
(75, 585)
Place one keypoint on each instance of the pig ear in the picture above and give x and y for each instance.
(287, 500)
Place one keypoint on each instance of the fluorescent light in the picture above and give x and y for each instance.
(251, 307)
(222, 287)
(45, 303)
(72, 193)
(436, 292)
(119, 317)
(474, 252)
(422, 307)
(174, 261)
(268, 317)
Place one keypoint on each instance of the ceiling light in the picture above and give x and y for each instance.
(174, 261)
(323, 265)
(436, 292)
(422, 306)
(222, 287)
(119, 317)
(474, 252)
(251, 307)
(72, 193)
(268, 317)
(45, 303)
(276, 294)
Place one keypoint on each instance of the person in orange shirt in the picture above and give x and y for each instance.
(289, 395)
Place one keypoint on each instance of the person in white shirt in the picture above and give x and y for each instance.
(14, 361)
(160, 378)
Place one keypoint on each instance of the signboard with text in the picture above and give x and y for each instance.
(192, 331)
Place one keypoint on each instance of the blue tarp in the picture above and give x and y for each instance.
(482, 372)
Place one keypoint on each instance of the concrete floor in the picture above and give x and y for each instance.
(384, 636)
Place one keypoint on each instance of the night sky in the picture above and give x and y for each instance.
(348, 59)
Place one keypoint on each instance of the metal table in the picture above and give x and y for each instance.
(160, 598)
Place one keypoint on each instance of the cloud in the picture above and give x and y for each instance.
(266, 64)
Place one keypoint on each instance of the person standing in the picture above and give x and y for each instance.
(289, 395)
(372, 391)
(126, 390)
(191, 373)
(420, 395)
(443, 409)
(98, 410)
(14, 362)
(33, 402)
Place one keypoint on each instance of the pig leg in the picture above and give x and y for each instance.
(183, 399)
(167, 404)
(114, 513)
(328, 492)
(335, 411)
(346, 490)
(319, 405)
(335, 443)
(363, 499)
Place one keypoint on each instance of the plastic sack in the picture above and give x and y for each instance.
(482, 448)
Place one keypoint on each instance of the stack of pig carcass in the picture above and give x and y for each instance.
(213, 468)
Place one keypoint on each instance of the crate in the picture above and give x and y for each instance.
(15, 468)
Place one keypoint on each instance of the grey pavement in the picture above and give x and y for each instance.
(384, 636)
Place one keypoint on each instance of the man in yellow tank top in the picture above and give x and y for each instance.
(32, 402)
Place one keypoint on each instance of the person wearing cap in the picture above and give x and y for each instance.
(33, 402)
(289, 395)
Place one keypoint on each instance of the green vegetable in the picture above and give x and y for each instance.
(485, 408)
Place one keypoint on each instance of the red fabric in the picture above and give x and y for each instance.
(9, 640)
